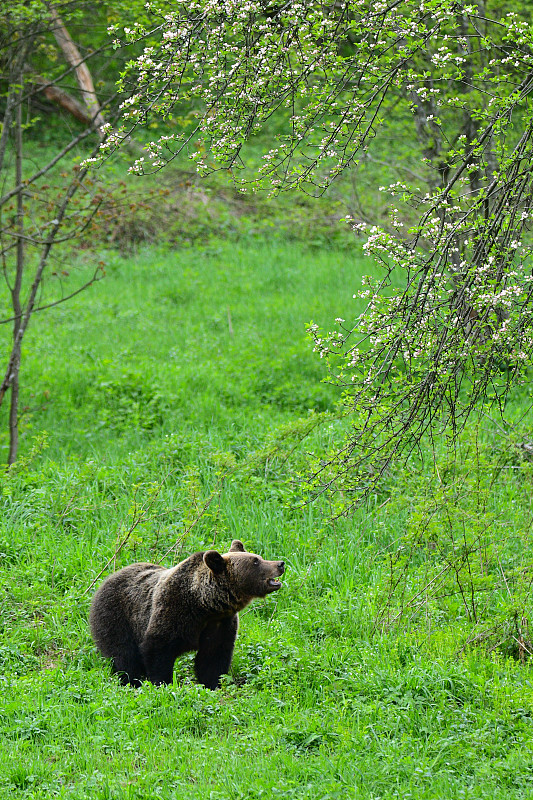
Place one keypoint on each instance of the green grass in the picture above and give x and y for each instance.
(173, 395)
(195, 337)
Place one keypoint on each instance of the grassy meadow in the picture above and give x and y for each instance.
(172, 407)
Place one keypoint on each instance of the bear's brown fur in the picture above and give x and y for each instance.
(145, 616)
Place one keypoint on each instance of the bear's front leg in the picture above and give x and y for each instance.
(159, 657)
(215, 651)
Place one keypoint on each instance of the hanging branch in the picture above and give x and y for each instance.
(446, 325)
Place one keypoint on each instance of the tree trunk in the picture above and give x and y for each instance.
(13, 95)
(63, 99)
(17, 286)
(83, 76)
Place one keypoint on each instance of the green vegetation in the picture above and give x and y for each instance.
(163, 412)
(177, 404)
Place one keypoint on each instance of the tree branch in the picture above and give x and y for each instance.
(63, 99)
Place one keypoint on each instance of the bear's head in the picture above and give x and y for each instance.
(250, 574)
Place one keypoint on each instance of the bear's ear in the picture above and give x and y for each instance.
(214, 561)
(237, 546)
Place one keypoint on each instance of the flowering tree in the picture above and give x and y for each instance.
(446, 322)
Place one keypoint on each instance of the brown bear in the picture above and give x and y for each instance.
(145, 616)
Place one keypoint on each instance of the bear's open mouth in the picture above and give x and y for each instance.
(274, 583)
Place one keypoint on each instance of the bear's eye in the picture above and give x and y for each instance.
(256, 562)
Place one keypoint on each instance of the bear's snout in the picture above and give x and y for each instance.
(274, 583)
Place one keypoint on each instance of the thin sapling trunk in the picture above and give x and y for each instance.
(17, 286)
